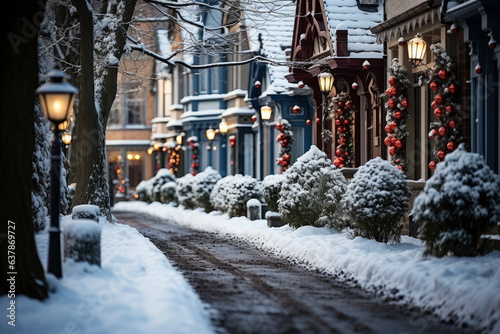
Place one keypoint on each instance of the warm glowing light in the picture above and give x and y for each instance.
(137, 157)
(66, 138)
(325, 81)
(210, 134)
(130, 156)
(223, 126)
(178, 139)
(156, 146)
(150, 151)
(417, 48)
(265, 113)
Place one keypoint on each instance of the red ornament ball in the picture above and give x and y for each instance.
(317, 120)
(398, 143)
(434, 105)
(387, 141)
(278, 126)
(443, 74)
(442, 131)
(441, 154)
(392, 81)
(452, 89)
(452, 124)
(449, 109)
(338, 152)
(354, 86)
(348, 105)
(308, 122)
(392, 150)
(398, 114)
(257, 84)
(392, 91)
(432, 165)
(393, 125)
(438, 98)
(296, 109)
(451, 146)
(393, 140)
(433, 86)
(338, 122)
(254, 118)
(340, 111)
(438, 112)
(388, 128)
(401, 167)
(346, 122)
(301, 84)
(478, 69)
(391, 103)
(405, 103)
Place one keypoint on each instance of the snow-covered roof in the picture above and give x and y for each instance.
(362, 42)
(275, 22)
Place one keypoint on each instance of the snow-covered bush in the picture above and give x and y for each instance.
(272, 186)
(231, 194)
(168, 192)
(203, 186)
(218, 197)
(376, 199)
(459, 203)
(184, 191)
(150, 190)
(311, 191)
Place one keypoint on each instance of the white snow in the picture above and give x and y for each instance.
(464, 289)
(135, 291)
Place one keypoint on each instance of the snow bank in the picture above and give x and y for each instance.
(463, 289)
(135, 291)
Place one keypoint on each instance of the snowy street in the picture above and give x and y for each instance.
(249, 290)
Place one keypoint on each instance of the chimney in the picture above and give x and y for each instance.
(342, 47)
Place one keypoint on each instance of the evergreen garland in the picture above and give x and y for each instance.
(443, 82)
(396, 104)
(285, 138)
(195, 162)
(343, 112)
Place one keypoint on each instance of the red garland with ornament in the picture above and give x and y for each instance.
(285, 138)
(342, 110)
(396, 104)
(443, 82)
(195, 162)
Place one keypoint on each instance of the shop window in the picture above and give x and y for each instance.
(135, 167)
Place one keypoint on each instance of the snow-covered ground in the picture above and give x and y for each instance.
(135, 291)
(465, 289)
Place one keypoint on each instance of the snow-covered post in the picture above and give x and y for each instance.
(82, 241)
(86, 211)
(253, 209)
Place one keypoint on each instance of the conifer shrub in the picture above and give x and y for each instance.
(376, 199)
(203, 186)
(150, 190)
(459, 203)
(184, 191)
(168, 194)
(272, 187)
(311, 191)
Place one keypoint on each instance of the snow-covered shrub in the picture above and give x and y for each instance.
(459, 203)
(82, 241)
(86, 211)
(150, 190)
(231, 194)
(376, 199)
(168, 192)
(272, 186)
(184, 191)
(219, 195)
(243, 188)
(203, 186)
(311, 191)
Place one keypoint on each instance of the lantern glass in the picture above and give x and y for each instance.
(223, 126)
(265, 113)
(66, 138)
(178, 139)
(210, 134)
(417, 48)
(325, 81)
(156, 146)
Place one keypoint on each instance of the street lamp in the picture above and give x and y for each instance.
(265, 115)
(417, 49)
(57, 97)
(325, 81)
(210, 133)
(66, 138)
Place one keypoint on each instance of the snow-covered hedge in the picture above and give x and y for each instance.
(231, 194)
(150, 190)
(272, 187)
(184, 191)
(459, 203)
(168, 194)
(311, 191)
(203, 186)
(376, 199)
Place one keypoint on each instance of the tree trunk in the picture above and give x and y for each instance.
(93, 110)
(19, 81)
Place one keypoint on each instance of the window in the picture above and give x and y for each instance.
(115, 118)
(214, 79)
(135, 106)
(203, 75)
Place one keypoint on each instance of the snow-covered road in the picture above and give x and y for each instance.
(251, 291)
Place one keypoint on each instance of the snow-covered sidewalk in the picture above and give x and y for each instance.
(135, 291)
(465, 289)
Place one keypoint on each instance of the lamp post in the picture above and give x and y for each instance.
(57, 97)
(325, 81)
(417, 48)
(265, 115)
(210, 133)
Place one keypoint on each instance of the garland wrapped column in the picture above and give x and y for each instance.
(442, 80)
(396, 104)
(195, 162)
(285, 138)
(343, 112)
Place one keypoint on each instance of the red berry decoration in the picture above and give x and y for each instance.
(452, 89)
(394, 125)
(278, 126)
(443, 74)
(388, 128)
(438, 112)
(338, 152)
(338, 122)
(452, 124)
(308, 122)
(432, 165)
(441, 154)
(442, 131)
(393, 140)
(433, 86)
(401, 167)
(451, 146)
(392, 81)
(434, 105)
(392, 91)
(392, 150)
(391, 103)
(340, 111)
(449, 109)
(404, 103)
(438, 98)
(348, 104)
(398, 143)
(398, 114)
(346, 122)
